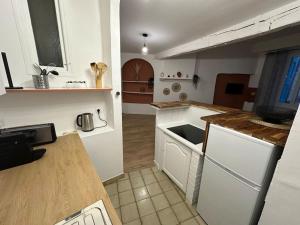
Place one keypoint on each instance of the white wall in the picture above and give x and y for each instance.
(76, 19)
(59, 108)
(96, 25)
(208, 69)
(42, 106)
(2, 89)
(283, 198)
(209, 65)
(81, 49)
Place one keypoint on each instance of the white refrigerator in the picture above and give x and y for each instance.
(236, 174)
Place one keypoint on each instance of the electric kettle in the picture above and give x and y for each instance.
(85, 122)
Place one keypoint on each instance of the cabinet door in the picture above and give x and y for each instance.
(159, 147)
(176, 162)
(244, 155)
(224, 199)
(10, 43)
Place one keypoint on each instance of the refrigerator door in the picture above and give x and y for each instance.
(224, 199)
(247, 156)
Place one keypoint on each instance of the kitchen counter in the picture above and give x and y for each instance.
(241, 122)
(48, 190)
(178, 104)
(234, 119)
(195, 147)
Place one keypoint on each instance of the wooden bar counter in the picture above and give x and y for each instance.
(50, 189)
(184, 104)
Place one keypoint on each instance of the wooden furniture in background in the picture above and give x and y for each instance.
(52, 188)
(231, 90)
(136, 74)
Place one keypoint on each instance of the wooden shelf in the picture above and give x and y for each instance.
(174, 78)
(56, 90)
(139, 93)
(135, 81)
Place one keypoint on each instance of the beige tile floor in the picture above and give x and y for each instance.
(147, 196)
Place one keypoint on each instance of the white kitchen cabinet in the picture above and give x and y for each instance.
(159, 146)
(2, 87)
(11, 44)
(176, 161)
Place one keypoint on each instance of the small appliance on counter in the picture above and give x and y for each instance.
(16, 144)
(85, 122)
(94, 214)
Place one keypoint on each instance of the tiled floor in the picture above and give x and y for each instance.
(149, 197)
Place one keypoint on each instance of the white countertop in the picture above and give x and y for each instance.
(164, 127)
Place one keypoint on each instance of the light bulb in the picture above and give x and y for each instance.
(145, 50)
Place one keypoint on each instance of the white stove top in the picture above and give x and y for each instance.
(94, 214)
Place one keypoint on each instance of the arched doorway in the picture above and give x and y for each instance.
(137, 81)
(138, 128)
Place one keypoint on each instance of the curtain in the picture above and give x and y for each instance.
(272, 75)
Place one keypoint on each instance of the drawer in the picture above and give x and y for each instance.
(242, 154)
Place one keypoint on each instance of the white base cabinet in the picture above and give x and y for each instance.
(176, 162)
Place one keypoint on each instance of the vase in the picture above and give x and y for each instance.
(98, 81)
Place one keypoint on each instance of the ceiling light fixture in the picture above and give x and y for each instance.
(145, 48)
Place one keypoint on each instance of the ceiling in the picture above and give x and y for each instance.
(173, 22)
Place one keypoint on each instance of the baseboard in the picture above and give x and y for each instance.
(114, 179)
(156, 164)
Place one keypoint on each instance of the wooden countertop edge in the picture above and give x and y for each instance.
(269, 139)
(177, 104)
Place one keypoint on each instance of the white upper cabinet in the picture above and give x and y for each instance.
(64, 33)
(40, 25)
(10, 43)
(2, 88)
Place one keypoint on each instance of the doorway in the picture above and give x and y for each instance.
(138, 126)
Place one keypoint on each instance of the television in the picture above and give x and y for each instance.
(234, 88)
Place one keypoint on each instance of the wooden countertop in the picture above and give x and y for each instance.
(234, 119)
(178, 104)
(241, 122)
(48, 190)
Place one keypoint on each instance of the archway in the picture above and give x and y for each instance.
(137, 81)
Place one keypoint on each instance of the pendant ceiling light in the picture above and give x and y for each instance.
(145, 48)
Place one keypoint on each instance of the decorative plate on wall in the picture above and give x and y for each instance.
(166, 91)
(176, 87)
(183, 96)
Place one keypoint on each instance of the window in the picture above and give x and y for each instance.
(46, 32)
(290, 89)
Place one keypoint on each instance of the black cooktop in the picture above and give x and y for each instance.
(189, 132)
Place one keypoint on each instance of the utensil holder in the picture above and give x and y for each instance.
(40, 81)
(99, 81)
